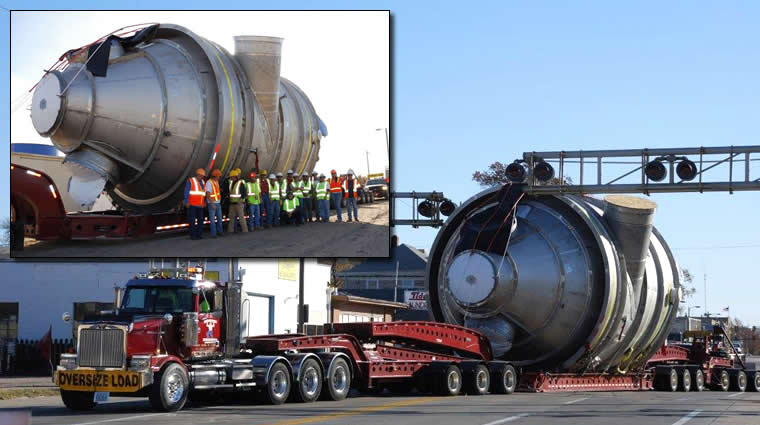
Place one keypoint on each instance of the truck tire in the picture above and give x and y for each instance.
(450, 381)
(17, 234)
(699, 380)
(720, 381)
(684, 382)
(754, 381)
(310, 385)
(504, 380)
(739, 381)
(672, 382)
(477, 381)
(338, 381)
(170, 389)
(278, 385)
(78, 400)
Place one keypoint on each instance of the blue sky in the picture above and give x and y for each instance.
(476, 85)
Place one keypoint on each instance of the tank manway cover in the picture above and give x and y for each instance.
(47, 104)
(472, 277)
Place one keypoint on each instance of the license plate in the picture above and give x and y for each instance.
(101, 396)
(99, 380)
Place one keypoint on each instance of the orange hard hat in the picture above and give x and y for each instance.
(216, 173)
(332, 171)
(201, 171)
(252, 175)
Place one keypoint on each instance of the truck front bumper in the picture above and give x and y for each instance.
(116, 380)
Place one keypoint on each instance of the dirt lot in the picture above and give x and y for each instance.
(369, 238)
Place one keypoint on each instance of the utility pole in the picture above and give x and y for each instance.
(387, 142)
(300, 296)
(367, 164)
(705, 282)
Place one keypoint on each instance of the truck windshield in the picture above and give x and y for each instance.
(376, 181)
(158, 300)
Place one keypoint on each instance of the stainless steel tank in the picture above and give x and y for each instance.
(575, 284)
(171, 104)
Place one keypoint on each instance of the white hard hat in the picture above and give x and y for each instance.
(290, 171)
(271, 176)
(350, 172)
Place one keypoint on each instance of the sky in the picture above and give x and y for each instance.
(471, 86)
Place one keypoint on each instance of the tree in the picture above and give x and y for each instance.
(496, 174)
(5, 232)
(748, 335)
(689, 290)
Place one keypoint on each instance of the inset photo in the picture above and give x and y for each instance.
(244, 133)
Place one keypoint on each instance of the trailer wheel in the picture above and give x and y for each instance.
(78, 400)
(722, 381)
(450, 381)
(754, 381)
(504, 380)
(278, 385)
(170, 389)
(685, 381)
(699, 380)
(478, 381)
(339, 380)
(310, 384)
(672, 383)
(739, 381)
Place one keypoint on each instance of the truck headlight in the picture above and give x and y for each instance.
(68, 361)
(139, 363)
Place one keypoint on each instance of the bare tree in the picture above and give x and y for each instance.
(5, 231)
(496, 174)
(688, 289)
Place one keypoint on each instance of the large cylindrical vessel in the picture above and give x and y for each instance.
(171, 104)
(575, 284)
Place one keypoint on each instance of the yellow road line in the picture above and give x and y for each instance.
(354, 412)
(232, 104)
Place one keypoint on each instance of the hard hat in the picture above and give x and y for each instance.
(332, 172)
(216, 173)
(290, 171)
(279, 174)
(305, 174)
(263, 172)
(252, 175)
(313, 173)
(271, 176)
(321, 176)
(238, 170)
(200, 171)
(234, 173)
(350, 172)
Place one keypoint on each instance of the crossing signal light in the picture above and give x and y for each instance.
(516, 172)
(686, 170)
(543, 171)
(426, 209)
(447, 207)
(655, 171)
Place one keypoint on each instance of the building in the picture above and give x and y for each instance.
(400, 278)
(696, 323)
(350, 308)
(36, 294)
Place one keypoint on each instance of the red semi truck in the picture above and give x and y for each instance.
(177, 337)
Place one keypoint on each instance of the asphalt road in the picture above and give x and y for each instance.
(619, 408)
(369, 238)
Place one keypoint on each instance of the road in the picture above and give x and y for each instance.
(369, 238)
(620, 408)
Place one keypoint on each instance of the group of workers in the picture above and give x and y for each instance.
(269, 201)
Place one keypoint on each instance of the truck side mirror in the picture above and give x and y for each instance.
(66, 317)
(168, 318)
(190, 329)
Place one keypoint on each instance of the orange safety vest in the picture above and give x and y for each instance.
(335, 186)
(216, 194)
(356, 188)
(197, 196)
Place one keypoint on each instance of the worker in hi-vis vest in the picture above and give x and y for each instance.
(273, 212)
(195, 198)
(253, 187)
(214, 201)
(336, 193)
(296, 186)
(351, 187)
(265, 202)
(306, 196)
(322, 189)
(237, 202)
(291, 213)
(314, 203)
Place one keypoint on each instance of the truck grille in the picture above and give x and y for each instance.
(101, 347)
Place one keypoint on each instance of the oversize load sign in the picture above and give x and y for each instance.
(98, 380)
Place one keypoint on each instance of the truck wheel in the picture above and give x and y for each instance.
(170, 389)
(78, 400)
(450, 381)
(699, 380)
(504, 380)
(17, 234)
(278, 384)
(310, 384)
(672, 384)
(754, 381)
(685, 381)
(720, 381)
(338, 381)
(739, 381)
(479, 381)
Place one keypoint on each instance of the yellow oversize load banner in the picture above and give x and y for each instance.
(98, 380)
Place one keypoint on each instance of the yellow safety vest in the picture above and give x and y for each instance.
(295, 187)
(322, 188)
(235, 195)
(289, 205)
(274, 190)
(254, 192)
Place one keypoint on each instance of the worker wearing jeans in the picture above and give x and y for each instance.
(352, 193)
(336, 194)
(195, 200)
(214, 198)
(253, 187)
(265, 202)
(323, 204)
